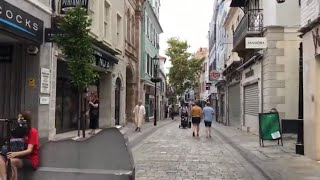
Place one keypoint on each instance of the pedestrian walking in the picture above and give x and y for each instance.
(93, 113)
(139, 113)
(196, 113)
(208, 114)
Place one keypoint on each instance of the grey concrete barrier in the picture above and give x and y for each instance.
(105, 156)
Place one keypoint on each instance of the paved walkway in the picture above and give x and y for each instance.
(172, 153)
(276, 162)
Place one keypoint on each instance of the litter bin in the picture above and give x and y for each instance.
(104, 156)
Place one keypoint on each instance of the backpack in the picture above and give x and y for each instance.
(19, 129)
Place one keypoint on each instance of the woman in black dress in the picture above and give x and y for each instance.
(94, 113)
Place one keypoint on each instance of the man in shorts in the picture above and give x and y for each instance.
(208, 114)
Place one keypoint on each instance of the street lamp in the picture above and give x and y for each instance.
(281, 1)
(155, 79)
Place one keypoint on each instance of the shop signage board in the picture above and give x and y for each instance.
(19, 22)
(256, 43)
(44, 100)
(214, 75)
(69, 4)
(45, 81)
(269, 127)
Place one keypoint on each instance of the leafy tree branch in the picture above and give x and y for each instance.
(186, 69)
(76, 44)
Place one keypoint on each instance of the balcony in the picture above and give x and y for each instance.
(251, 25)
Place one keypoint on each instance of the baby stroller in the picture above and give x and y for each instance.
(184, 122)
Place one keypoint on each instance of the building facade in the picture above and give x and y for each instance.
(150, 31)
(204, 80)
(25, 61)
(116, 33)
(310, 22)
(269, 75)
(132, 55)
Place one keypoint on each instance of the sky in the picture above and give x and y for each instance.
(187, 19)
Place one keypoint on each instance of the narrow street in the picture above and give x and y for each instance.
(171, 153)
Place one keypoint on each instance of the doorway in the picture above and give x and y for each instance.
(130, 94)
(117, 101)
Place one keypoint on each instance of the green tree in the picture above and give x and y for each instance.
(76, 44)
(185, 69)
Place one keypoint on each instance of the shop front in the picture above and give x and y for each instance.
(68, 98)
(25, 62)
(311, 89)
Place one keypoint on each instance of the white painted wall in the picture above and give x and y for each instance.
(310, 10)
(286, 14)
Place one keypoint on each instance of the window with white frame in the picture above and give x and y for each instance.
(148, 64)
(132, 30)
(91, 13)
(147, 27)
(151, 67)
(128, 26)
(107, 20)
(119, 30)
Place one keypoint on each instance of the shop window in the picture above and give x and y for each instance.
(151, 105)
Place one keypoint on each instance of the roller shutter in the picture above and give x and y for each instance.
(251, 99)
(234, 105)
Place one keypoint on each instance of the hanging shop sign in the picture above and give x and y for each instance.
(316, 41)
(6, 53)
(208, 85)
(49, 33)
(19, 22)
(214, 75)
(69, 4)
(256, 43)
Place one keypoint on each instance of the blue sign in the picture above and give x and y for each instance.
(19, 22)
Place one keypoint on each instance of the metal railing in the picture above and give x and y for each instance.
(252, 21)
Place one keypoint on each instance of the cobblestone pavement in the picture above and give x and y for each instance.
(172, 153)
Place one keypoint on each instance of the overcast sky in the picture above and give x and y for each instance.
(186, 19)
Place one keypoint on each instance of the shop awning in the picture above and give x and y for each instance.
(237, 3)
(231, 68)
(257, 56)
(108, 57)
(220, 82)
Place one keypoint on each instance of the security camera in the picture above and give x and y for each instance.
(32, 50)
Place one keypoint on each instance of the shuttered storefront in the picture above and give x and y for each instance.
(251, 99)
(234, 105)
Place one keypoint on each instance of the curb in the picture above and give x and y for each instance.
(251, 158)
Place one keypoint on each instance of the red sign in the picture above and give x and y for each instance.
(214, 75)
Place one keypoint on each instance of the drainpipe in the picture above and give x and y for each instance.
(261, 81)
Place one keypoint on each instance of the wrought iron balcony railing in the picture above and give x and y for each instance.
(251, 24)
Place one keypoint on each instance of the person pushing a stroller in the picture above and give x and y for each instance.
(184, 115)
